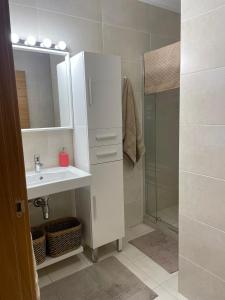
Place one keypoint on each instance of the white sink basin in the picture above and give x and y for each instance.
(55, 180)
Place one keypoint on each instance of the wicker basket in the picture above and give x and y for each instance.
(39, 244)
(62, 235)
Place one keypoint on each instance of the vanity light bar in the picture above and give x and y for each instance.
(31, 41)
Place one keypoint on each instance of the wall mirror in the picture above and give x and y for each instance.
(43, 88)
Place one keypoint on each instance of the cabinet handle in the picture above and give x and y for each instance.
(94, 207)
(106, 136)
(106, 153)
(90, 91)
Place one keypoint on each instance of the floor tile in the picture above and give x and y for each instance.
(181, 297)
(68, 267)
(169, 215)
(132, 252)
(43, 278)
(171, 285)
(152, 269)
(137, 231)
(146, 278)
(163, 294)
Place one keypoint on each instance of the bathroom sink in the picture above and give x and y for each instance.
(55, 180)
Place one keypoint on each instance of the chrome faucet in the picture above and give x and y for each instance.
(37, 163)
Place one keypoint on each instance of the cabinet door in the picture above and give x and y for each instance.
(107, 203)
(103, 83)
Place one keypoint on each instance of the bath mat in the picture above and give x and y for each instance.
(106, 280)
(161, 248)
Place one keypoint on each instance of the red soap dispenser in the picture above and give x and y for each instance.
(63, 158)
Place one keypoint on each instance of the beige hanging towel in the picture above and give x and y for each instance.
(162, 69)
(133, 144)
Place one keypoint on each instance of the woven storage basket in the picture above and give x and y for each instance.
(39, 244)
(63, 235)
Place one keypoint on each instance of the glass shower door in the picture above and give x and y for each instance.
(150, 156)
(161, 119)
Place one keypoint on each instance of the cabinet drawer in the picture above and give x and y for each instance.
(104, 154)
(104, 137)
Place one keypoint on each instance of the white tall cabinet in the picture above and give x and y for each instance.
(96, 83)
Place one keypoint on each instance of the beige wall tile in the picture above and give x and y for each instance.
(163, 22)
(126, 13)
(133, 181)
(167, 196)
(203, 97)
(197, 284)
(134, 70)
(202, 150)
(202, 146)
(24, 20)
(194, 8)
(199, 52)
(47, 145)
(167, 176)
(127, 43)
(31, 3)
(79, 34)
(150, 194)
(133, 213)
(88, 9)
(168, 106)
(158, 41)
(61, 205)
(204, 201)
(203, 244)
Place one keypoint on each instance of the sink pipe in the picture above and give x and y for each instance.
(43, 203)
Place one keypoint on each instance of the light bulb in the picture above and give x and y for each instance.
(47, 43)
(61, 45)
(15, 38)
(30, 41)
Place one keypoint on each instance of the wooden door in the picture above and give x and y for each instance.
(16, 263)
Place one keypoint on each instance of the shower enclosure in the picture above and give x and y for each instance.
(161, 130)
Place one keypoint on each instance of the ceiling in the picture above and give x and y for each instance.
(173, 5)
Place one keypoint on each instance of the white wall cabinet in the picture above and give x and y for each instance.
(96, 83)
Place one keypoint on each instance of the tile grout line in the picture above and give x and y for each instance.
(201, 175)
(202, 268)
(202, 223)
(202, 70)
(101, 22)
(52, 11)
(191, 124)
(202, 14)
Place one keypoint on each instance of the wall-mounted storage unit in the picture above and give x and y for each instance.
(96, 83)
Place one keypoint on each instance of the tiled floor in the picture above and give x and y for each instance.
(169, 215)
(150, 273)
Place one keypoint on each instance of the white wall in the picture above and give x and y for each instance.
(202, 149)
(123, 27)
